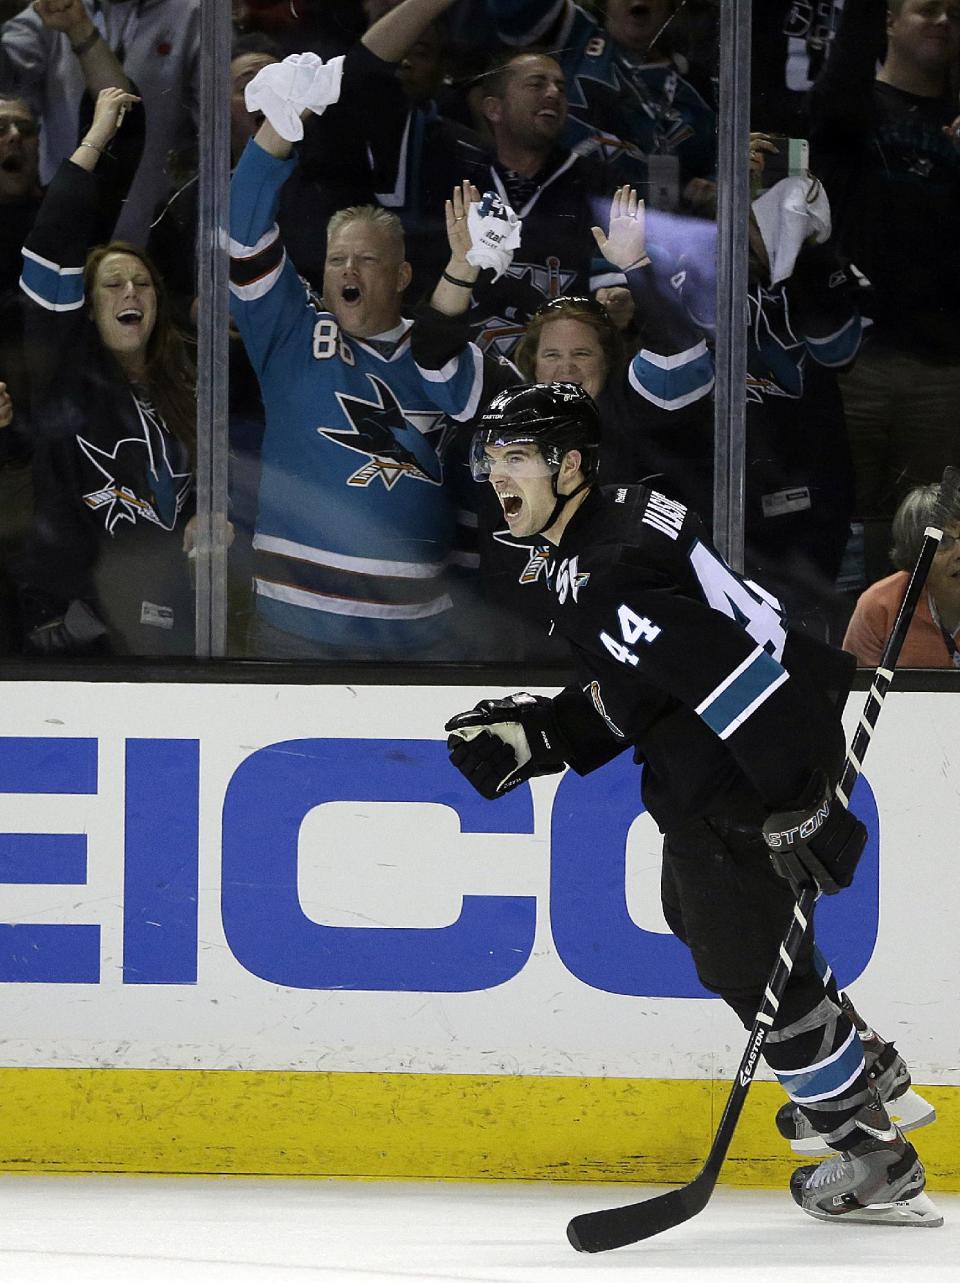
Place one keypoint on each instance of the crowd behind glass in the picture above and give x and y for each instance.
(366, 336)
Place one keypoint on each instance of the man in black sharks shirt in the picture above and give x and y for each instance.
(558, 194)
(736, 721)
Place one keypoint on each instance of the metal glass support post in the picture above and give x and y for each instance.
(212, 361)
(733, 212)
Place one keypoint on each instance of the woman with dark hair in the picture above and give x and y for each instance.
(105, 568)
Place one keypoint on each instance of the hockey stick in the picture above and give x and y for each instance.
(618, 1226)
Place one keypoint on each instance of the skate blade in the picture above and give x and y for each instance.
(908, 1111)
(918, 1211)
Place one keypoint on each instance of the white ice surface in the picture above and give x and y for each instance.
(122, 1229)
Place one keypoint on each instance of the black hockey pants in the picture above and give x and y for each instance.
(722, 898)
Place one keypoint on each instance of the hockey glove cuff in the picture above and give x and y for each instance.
(819, 840)
(284, 90)
(502, 742)
(494, 234)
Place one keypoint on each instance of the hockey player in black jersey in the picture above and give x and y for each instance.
(736, 722)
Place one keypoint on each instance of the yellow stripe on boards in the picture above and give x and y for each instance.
(413, 1126)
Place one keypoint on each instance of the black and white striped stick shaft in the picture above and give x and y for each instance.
(883, 676)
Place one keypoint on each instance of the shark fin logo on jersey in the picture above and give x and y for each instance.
(593, 690)
(570, 579)
(139, 481)
(499, 334)
(609, 91)
(397, 442)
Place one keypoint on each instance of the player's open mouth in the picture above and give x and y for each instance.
(350, 294)
(510, 503)
(130, 316)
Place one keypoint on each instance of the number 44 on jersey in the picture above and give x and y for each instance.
(633, 628)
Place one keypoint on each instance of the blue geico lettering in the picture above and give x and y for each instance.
(265, 804)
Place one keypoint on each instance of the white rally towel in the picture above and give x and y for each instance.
(494, 234)
(283, 90)
(788, 214)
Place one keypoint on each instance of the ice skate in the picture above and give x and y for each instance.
(878, 1180)
(887, 1071)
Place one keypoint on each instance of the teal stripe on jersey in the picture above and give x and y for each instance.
(672, 382)
(839, 348)
(732, 702)
(60, 289)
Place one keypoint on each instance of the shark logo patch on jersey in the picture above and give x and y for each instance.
(594, 97)
(397, 442)
(570, 579)
(133, 464)
(500, 334)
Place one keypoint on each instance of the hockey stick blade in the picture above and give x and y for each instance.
(619, 1226)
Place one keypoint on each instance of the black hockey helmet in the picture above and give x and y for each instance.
(555, 417)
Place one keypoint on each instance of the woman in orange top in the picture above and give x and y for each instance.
(933, 640)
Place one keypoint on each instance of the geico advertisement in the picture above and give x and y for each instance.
(295, 877)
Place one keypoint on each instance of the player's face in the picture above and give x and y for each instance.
(523, 483)
(19, 149)
(533, 109)
(364, 279)
(124, 304)
(926, 32)
(635, 23)
(569, 352)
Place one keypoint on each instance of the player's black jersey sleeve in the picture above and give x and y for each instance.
(590, 739)
(688, 658)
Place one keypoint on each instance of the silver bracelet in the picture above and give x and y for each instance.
(92, 146)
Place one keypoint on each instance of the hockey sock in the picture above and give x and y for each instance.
(819, 1061)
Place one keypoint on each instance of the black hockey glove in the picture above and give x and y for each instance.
(820, 840)
(502, 742)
